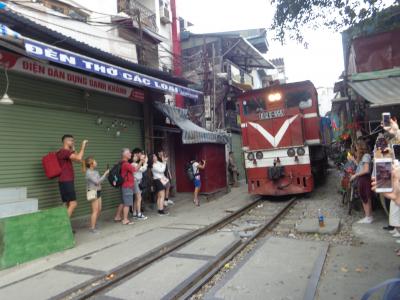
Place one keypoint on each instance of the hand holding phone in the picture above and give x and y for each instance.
(386, 119)
(383, 170)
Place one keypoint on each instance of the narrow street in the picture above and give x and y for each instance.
(338, 266)
(199, 150)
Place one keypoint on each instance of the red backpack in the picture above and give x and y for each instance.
(51, 165)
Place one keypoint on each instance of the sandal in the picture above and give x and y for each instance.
(117, 221)
(127, 223)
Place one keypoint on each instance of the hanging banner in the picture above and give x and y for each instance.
(15, 62)
(74, 60)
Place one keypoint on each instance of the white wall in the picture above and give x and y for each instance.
(257, 81)
(109, 7)
(106, 7)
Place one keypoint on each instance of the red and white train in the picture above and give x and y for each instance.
(282, 139)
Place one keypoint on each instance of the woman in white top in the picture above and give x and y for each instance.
(140, 164)
(159, 181)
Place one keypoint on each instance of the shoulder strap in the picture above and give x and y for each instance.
(374, 289)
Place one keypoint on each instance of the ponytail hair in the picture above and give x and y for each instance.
(87, 163)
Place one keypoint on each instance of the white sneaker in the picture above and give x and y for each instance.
(398, 241)
(141, 217)
(396, 235)
(393, 231)
(170, 202)
(165, 203)
(366, 220)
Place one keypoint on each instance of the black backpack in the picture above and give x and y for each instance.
(189, 171)
(115, 177)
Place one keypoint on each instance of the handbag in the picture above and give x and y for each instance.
(164, 180)
(91, 195)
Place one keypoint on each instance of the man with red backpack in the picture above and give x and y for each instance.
(65, 156)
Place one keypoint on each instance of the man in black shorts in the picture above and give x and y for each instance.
(66, 155)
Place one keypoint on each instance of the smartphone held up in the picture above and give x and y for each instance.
(386, 119)
(383, 170)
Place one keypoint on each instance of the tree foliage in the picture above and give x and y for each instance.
(292, 16)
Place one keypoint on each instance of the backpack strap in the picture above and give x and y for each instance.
(374, 289)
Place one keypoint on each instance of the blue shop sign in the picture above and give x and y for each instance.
(54, 54)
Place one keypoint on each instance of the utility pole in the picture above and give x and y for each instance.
(214, 89)
(137, 13)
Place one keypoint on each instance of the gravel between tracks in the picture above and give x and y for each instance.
(327, 198)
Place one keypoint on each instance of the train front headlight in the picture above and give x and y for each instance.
(259, 155)
(301, 151)
(250, 156)
(291, 152)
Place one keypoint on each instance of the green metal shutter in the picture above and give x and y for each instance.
(238, 153)
(30, 129)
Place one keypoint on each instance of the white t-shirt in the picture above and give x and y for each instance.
(158, 170)
(196, 172)
(139, 173)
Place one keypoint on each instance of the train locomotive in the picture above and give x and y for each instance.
(283, 145)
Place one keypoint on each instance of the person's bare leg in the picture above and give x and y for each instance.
(167, 193)
(196, 195)
(138, 204)
(100, 207)
(125, 214)
(118, 215)
(367, 208)
(95, 213)
(160, 199)
(71, 205)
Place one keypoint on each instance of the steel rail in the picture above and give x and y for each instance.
(197, 283)
(97, 285)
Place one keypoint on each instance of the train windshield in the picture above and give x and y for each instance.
(300, 99)
(253, 106)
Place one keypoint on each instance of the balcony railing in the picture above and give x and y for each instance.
(148, 17)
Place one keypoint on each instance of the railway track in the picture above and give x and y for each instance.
(249, 223)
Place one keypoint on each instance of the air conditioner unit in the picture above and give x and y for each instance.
(165, 15)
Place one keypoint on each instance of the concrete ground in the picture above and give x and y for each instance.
(288, 266)
(351, 270)
(281, 267)
(96, 255)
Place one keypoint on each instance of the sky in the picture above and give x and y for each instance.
(322, 62)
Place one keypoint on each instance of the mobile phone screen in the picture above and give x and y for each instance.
(396, 151)
(386, 119)
(383, 175)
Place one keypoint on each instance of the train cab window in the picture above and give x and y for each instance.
(253, 106)
(301, 100)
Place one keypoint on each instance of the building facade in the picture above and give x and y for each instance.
(66, 75)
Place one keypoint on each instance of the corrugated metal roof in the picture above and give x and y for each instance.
(39, 32)
(102, 37)
(191, 133)
(380, 92)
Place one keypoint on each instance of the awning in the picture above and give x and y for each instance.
(379, 92)
(191, 133)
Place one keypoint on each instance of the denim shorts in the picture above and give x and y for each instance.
(127, 196)
(197, 183)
